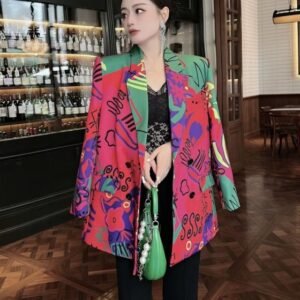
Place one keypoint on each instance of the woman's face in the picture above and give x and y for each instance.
(141, 19)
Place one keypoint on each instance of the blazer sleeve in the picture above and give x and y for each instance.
(221, 168)
(82, 195)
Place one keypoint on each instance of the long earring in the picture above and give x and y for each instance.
(162, 27)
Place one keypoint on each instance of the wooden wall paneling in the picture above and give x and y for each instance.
(279, 100)
(251, 116)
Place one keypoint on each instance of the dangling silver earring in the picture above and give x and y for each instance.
(162, 27)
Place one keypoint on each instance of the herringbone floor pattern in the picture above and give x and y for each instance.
(256, 254)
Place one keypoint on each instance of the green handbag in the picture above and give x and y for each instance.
(152, 258)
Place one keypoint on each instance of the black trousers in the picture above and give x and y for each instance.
(180, 281)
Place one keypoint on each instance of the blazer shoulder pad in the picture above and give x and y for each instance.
(113, 63)
(192, 59)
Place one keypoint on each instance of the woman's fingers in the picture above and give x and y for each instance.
(153, 166)
(147, 175)
(147, 180)
(163, 162)
(145, 183)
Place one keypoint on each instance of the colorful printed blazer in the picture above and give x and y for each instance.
(108, 184)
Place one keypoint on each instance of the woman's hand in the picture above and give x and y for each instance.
(161, 161)
(146, 177)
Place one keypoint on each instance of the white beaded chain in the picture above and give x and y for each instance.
(144, 244)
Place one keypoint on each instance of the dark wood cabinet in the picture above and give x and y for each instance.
(37, 177)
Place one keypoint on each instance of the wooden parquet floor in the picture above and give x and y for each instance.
(255, 256)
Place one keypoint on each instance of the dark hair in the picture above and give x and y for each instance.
(170, 4)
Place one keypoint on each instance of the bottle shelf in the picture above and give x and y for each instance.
(72, 118)
(75, 88)
(57, 25)
(25, 90)
(76, 56)
(21, 61)
(24, 22)
(28, 122)
(76, 26)
(23, 54)
(47, 55)
(42, 89)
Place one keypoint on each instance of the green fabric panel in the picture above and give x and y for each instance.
(229, 192)
(115, 63)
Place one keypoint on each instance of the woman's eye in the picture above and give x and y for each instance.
(139, 11)
(123, 16)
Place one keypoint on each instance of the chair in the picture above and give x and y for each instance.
(266, 123)
(283, 127)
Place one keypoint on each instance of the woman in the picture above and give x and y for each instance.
(153, 121)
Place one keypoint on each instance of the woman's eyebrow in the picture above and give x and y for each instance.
(137, 4)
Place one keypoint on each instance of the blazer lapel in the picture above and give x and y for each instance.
(138, 98)
(177, 82)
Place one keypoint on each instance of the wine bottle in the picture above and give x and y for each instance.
(28, 43)
(87, 105)
(21, 109)
(8, 77)
(81, 104)
(17, 78)
(70, 74)
(25, 77)
(51, 104)
(33, 79)
(37, 107)
(122, 41)
(87, 75)
(83, 42)
(70, 46)
(89, 43)
(96, 43)
(20, 42)
(56, 75)
(62, 40)
(64, 79)
(45, 106)
(2, 70)
(12, 40)
(3, 111)
(29, 109)
(47, 75)
(67, 104)
(61, 105)
(101, 44)
(81, 75)
(76, 73)
(53, 39)
(75, 105)
(39, 75)
(3, 41)
(118, 44)
(12, 110)
(75, 41)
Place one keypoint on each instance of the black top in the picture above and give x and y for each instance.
(159, 131)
